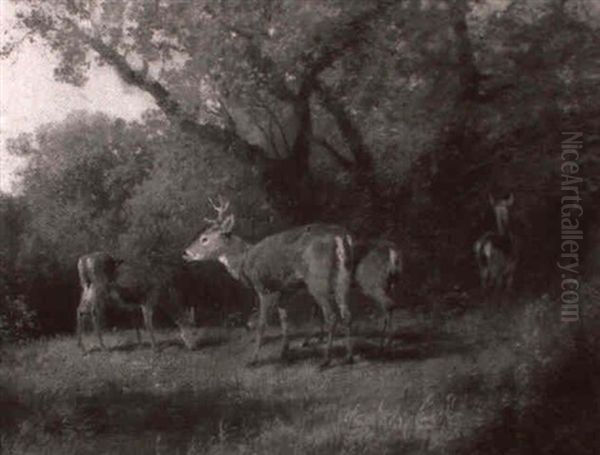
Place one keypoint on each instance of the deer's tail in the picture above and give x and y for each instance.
(343, 276)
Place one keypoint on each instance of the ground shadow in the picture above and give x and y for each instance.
(405, 345)
(211, 341)
(114, 421)
(129, 346)
(558, 414)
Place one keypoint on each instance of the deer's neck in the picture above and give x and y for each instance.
(503, 226)
(233, 259)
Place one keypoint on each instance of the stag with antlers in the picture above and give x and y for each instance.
(496, 251)
(318, 256)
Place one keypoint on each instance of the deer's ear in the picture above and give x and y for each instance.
(227, 224)
(491, 199)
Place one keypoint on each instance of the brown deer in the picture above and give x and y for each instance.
(496, 251)
(318, 256)
(376, 274)
(105, 282)
(378, 266)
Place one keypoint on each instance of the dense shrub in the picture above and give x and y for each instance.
(18, 321)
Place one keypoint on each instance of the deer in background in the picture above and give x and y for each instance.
(105, 282)
(318, 256)
(496, 251)
(378, 266)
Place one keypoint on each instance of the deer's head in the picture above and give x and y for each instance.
(187, 330)
(216, 240)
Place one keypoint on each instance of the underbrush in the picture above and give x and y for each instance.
(511, 380)
(18, 322)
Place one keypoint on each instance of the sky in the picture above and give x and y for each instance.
(29, 96)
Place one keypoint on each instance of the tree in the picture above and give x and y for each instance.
(380, 114)
(78, 177)
(260, 78)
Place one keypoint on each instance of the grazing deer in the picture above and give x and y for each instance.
(105, 283)
(379, 264)
(375, 275)
(318, 256)
(496, 251)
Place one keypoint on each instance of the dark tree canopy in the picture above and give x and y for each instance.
(355, 90)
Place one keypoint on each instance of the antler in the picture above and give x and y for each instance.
(221, 207)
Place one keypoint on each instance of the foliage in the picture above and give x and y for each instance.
(18, 322)
(394, 118)
(347, 101)
(79, 175)
(136, 190)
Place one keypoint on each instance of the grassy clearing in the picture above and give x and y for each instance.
(451, 384)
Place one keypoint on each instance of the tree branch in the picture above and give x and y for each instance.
(275, 119)
(264, 64)
(10, 46)
(161, 95)
(350, 132)
(345, 37)
(346, 163)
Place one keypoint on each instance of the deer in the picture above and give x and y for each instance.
(379, 264)
(496, 251)
(105, 282)
(376, 274)
(316, 256)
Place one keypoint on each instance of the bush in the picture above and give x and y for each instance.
(18, 322)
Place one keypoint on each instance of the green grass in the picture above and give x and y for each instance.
(466, 383)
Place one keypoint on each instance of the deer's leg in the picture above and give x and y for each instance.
(83, 310)
(318, 331)
(265, 302)
(96, 320)
(136, 324)
(341, 297)
(80, 321)
(148, 313)
(308, 336)
(330, 319)
(384, 323)
(483, 276)
(285, 343)
(347, 322)
(510, 275)
(386, 305)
